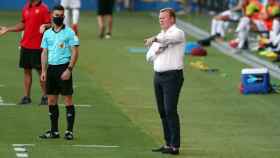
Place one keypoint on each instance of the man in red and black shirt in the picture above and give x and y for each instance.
(35, 20)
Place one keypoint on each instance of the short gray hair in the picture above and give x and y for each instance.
(170, 11)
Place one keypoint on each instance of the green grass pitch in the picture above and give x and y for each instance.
(216, 121)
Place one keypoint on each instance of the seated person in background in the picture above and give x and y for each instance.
(274, 39)
(274, 11)
(257, 18)
(251, 17)
(221, 22)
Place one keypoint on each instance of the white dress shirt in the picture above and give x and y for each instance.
(171, 56)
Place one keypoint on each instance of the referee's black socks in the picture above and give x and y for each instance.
(54, 114)
(70, 115)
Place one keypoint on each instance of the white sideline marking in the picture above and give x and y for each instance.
(20, 149)
(20, 155)
(7, 104)
(21, 145)
(96, 146)
(84, 105)
(2, 103)
(13, 104)
(80, 105)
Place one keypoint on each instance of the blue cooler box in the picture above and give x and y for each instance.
(255, 80)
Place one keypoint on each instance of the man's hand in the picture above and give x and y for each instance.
(43, 76)
(66, 75)
(149, 41)
(43, 28)
(161, 49)
(3, 30)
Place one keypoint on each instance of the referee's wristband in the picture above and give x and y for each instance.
(69, 68)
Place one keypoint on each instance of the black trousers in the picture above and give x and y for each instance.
(167, 87)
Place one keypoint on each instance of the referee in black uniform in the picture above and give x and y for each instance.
(60, 54)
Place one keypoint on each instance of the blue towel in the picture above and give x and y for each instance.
(137, 50)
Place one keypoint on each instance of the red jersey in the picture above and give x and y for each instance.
(270, 14)
(33, 16)
(259, 7)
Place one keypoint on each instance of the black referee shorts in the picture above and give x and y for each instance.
(54, 84)
(105, 7)
(30, 58)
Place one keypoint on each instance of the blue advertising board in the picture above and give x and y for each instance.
(137, 5)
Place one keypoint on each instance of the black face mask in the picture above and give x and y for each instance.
(58, 20)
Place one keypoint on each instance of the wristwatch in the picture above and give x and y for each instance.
(70, 68)
(155, 39)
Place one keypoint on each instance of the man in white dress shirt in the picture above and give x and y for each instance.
(168, 63)
(72, 13)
